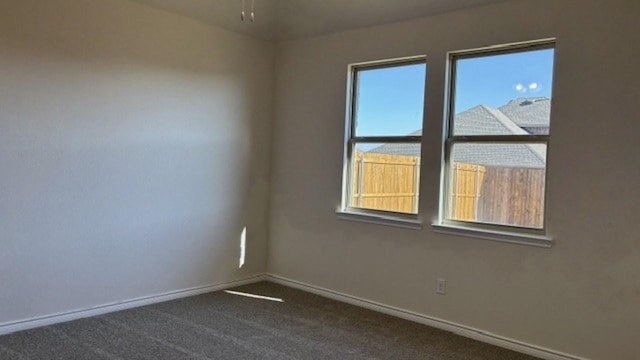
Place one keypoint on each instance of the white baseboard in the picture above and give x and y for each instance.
(459, 329)
(35, 322)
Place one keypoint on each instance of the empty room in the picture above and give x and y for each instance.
(319, 179)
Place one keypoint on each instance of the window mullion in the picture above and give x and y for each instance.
(499, 139)
(386, 139)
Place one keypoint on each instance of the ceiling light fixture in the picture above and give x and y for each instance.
(252, 15)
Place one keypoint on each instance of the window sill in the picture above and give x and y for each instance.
(495, 235)
(386, 220)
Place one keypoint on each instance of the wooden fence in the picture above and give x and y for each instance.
(390, 182)
(466, 190)
(499, 195)
(513, 196)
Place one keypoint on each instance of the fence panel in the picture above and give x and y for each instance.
(513, 196)
(466, 190)
(385, 182)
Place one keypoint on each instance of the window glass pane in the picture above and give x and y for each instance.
(386, 177)
(389, 101)
(500, 184)
(504, 94)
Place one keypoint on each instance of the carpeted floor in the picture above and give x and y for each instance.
(232, 326)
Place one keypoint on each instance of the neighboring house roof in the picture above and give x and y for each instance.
(397, 149)
(501, 155)
(479, 120)
(512, 118)
(528, 112)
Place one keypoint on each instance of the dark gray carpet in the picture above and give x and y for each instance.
(226, 326)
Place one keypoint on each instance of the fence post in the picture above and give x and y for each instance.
(416, 181)
(454, 194)
(477, 193)
(361, 181)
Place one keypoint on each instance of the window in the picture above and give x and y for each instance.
(497, 134)
(383, 137)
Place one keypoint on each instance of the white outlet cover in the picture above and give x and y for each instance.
(441, 286)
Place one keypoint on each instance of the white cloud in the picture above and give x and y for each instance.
(534, 86)
(520, 88)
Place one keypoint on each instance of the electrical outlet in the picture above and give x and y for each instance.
(441, 286)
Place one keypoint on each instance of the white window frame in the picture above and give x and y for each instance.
(507, 233)
(347, 211)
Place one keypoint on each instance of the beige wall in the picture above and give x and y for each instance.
(134, 148)
(580, 297)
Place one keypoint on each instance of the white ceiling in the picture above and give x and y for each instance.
(278, 20)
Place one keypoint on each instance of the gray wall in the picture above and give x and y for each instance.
(134, 148)
(582, 296)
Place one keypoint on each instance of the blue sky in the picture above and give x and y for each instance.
(390, 100)
(494, 80)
